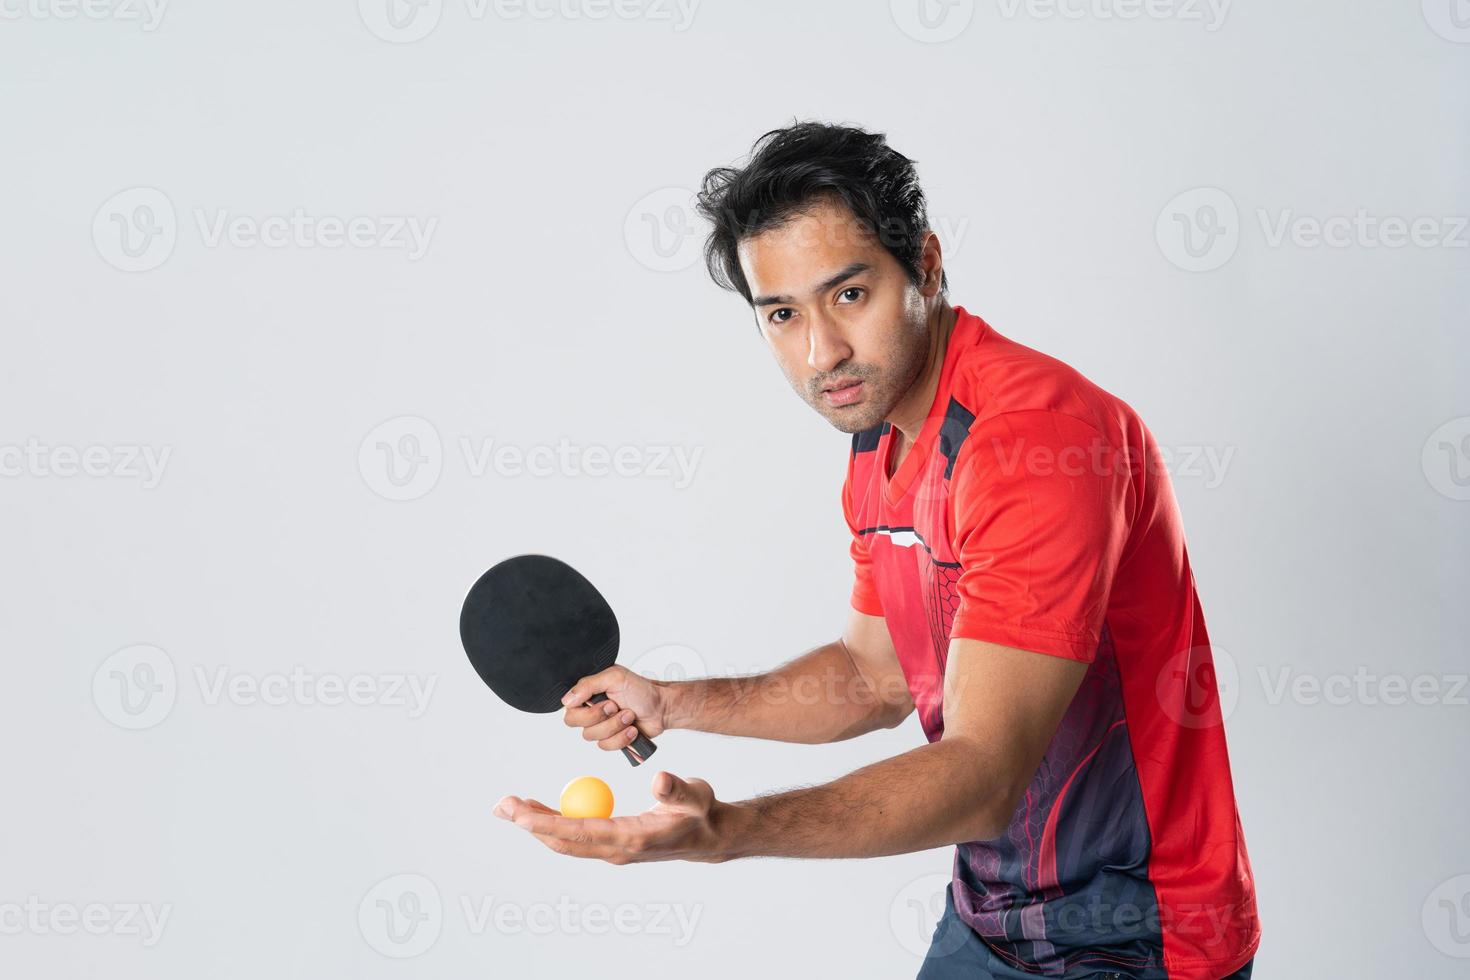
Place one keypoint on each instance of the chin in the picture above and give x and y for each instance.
(861, 418)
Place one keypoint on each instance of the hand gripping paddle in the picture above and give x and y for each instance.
(533, 626)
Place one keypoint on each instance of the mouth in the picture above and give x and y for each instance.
(845, 392)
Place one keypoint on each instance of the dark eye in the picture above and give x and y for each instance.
(784, 309)
(852, 289)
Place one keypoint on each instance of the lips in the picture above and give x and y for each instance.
(843, 392)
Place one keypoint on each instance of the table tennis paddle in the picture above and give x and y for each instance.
(532, 627)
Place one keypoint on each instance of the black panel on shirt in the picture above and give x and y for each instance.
(867, 440)
(954, 432)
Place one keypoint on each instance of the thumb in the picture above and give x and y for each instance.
(598, 683)
(670, 790)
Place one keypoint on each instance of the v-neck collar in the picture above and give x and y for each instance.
(897, 485)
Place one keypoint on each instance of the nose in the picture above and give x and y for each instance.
(827, 348)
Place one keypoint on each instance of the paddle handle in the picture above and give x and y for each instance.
(641, 747)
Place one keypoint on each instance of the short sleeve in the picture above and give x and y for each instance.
(1040, 510)
(864, 591)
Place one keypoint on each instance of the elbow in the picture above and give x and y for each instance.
(892, 715)
(987, 825)
(993, 814)
(990, 827)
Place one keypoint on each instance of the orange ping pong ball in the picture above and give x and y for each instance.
(586, 796)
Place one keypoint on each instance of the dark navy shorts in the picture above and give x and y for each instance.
(957, 953)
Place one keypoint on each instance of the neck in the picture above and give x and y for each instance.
(909, 414)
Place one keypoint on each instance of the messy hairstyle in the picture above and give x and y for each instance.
(790, 170)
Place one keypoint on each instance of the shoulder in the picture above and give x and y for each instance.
(1007, 386)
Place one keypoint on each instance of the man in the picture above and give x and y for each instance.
(1021, 581)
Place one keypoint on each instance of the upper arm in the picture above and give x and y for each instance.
(1007, 703)
(875, 659)
(1041, 515)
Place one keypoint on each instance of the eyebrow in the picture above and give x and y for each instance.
(847, 272)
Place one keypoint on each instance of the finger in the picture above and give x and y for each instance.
(582, 715)
(541, 807)
(598, 683)
(601, 852)
(621, 738)
(610, 729)
(591, 831)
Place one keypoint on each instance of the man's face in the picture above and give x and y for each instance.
(846, 324)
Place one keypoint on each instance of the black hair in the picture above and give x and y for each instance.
(792, 169)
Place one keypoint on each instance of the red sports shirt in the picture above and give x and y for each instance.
(1034, 511)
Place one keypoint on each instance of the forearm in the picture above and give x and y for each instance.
(818, 697)
(945, 792)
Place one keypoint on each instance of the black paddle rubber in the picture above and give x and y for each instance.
(532, 626)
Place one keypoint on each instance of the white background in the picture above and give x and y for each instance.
(1054, 143)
